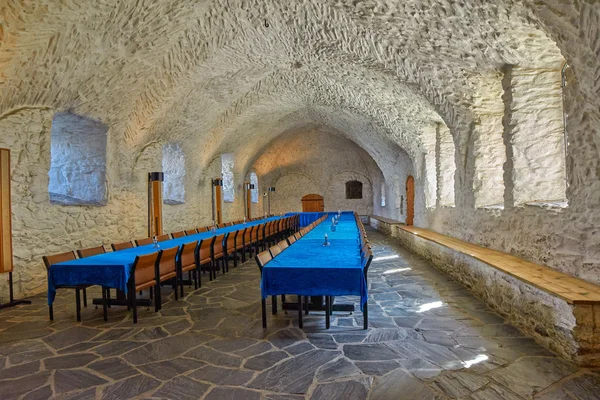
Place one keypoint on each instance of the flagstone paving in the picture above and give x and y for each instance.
(429, 338)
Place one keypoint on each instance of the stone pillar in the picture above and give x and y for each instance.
(445, 166)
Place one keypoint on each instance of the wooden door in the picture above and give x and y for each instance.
(410, 200)
(313, 203)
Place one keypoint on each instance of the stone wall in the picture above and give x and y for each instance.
(316, 162)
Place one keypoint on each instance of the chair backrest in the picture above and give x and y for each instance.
(121, 246)
(163, 238)
(263, 259)
(57, 258)
(298, 235)
(291, 239)
(202, 229)
(221, 225)
(283, 245)
(191, 232)
(218, 244)
(275, 250)
(229, 224)
(187, 254)
(230, 242)
(205, 250)
(248, 234)
(144, 268)
(366, 261)
(179, 234)
(143, 242)
(92, 251)
(167, 260)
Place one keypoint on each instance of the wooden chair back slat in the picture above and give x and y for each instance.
(166, 261)
(143, 242)
(144, 269)
(92, 251)
(58, 258)
(275, 250)
(190, 232)
(263, 259)
(187, 255)
(121, 246)
(179, 234)
(163, 238)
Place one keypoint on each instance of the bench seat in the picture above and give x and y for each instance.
(560, 311)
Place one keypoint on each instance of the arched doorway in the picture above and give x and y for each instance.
(410, 200)
(312, 203)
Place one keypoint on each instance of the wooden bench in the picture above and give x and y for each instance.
(383, 224)
(559, 310)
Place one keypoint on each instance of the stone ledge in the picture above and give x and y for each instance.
(571, 328)
(383, 224)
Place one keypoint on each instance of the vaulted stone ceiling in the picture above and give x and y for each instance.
(214, 76)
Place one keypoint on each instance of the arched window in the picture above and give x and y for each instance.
(77, 173)
(382, 194)
(227, 163)
(354, 190)
(254, 192)
(173, 166)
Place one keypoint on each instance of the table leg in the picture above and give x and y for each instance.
(327, 314)
(300, 323)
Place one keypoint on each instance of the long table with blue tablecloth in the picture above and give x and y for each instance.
(112, 270)
(308, 268)
(307, 218)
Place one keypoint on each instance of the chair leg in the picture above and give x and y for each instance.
(104, 304)
(180, 286)
(51, 312)
(134, 305)
(84, 297)
(199, 276)
(274, 304)
(108, 296)
(365, 316)
(78, 304)
(306, 299)
(327, 315)
(300, 323)
(264, 313)
(157, 298)
(174, 286)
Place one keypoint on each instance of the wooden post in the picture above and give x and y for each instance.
(248, 187)
(218, 198)
(6, 251)
(6, 256)
(155, 225)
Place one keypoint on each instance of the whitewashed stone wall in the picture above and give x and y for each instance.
(316, 162)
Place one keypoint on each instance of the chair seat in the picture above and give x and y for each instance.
(190, 267)
(168, 276)
(145, 285)
(219, 255)
(205, 261)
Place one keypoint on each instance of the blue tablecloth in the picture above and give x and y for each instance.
(113, 269)
(307, 218)
(308, 268)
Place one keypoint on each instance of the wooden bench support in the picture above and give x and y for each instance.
(560, 311)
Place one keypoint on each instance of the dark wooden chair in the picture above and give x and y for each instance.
(366, 262)
(143, 277)
(218, 254)
(121, 246)
(263, 259)
(190, 232)
(179, 234)
(58, 258)
(143, 242)
(187, 261)
(166, 270)
(163, 238)
(205, 262)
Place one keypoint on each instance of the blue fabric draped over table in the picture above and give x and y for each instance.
(308, 268)
(113, 269)
(307, 218)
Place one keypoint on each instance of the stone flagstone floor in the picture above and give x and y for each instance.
(429, 338)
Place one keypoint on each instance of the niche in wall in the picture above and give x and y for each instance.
(77, 173)
(354, 190)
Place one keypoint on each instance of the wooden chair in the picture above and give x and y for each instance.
(261, 244)
(203, 229)
(58, 258)
(239, 244)
(283, 245)
(92, 251)
(221, 226)
(166, 270)
(179, 234)
(190, 232)
(291, 239)
(218, 254)
(143, 242)
(143, 277)
(163, 238)
(263, 259)
(205, 249)
(366, 262)
(187, 261)
(121, 246)
(229, 248)
(275, 250)
(229, 223)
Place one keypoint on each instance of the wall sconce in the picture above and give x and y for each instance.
(272, 189)
(250, 186)
(217, 182)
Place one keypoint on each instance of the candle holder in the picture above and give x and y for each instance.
(326, 242)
